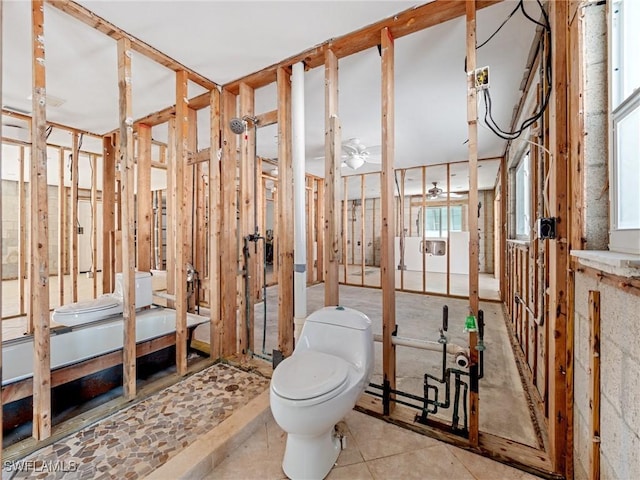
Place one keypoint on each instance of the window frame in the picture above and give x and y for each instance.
(623, 240)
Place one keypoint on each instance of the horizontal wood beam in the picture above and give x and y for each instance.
(87, 17)
(27, 118)
(404, 23)
(267, 118)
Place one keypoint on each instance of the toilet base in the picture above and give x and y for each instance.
(310, 457)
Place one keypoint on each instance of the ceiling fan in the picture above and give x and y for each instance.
(355, 154)
(436, 192)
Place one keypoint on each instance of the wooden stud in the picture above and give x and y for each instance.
(229, 228)
(94, 224)
(247, 220)
(333, 151)
(22, 232)
(215, 322)
(387, 233)
(285, 215)
(559, 354)
(171, 209)
(594, 342)
(182, 216)
(74, 223)
(268, 118)
(472, 120)
(401, 232)
(422, 233)
(143, 199)
(108, 213)
(21, 186)
(39, 235)
(310, 220)
(320, 232)
(127, 214)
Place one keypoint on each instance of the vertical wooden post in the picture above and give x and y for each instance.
(39, 237)
(94, 225)
(62, 196)
(21, 186)
(320, 201)
(247, 223)
(310, 219)
(108, 212)
(182, 223)
(215, 326)
(22, 232)
(127, 214)
(594, 341)
(387, 261)
(171, 209)
(422, 224)
(143, 197)
(449, 229)
(474, 240)
(345, 229)
(229, 228)
(559, 421)
(73, 224)
(332, 161)
(285, 215)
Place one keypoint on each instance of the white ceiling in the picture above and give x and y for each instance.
(225, 40)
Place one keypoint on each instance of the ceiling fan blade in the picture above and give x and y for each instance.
(375, 159)
(374, 150)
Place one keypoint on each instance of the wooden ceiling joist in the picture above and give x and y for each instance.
(87, 17)
(407, 22)
(27, 118)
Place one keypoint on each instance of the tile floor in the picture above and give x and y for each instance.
(375, 450)
(133, 442)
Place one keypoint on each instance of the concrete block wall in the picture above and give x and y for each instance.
(619, 377)
(11, 225)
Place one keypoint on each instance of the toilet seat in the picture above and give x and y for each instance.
(310, 375)
(101, 303)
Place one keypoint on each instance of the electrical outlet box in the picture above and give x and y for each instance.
(80, 230)
(546, 228)
(481, 78)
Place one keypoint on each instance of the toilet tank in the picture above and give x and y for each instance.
(340, 331)
(144, 292)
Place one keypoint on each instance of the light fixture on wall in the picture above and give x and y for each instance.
(354, 162)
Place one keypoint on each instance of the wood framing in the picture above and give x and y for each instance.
(399, 25)
(474, 240)
(387, 231)
(333, 150)
(94, 225)
(248, 223)
(594, 342)
(320, 203)
(285, 215)
(182, 218)
(171, 209)
(229, 229)
(91, 19)
(108, 212)
(143, 199)
(74, 224)
(22, 239)
(21, 169)
(559, 354)
(127, 215)
(39, 233)
(215, 325)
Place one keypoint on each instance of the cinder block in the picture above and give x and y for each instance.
(595, 88)
(595, 34)
(595, 140)
(619, 445)
(611, 374)
(630, 392)
(620, 313)
(581, 390)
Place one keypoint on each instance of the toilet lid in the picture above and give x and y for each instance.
(308, 375)
(100, 303)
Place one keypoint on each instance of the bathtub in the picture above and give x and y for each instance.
(88, 341)
(86, 361)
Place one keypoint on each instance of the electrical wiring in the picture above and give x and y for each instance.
(488, 116)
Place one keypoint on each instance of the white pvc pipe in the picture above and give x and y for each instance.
(452, 349)
(299, 189)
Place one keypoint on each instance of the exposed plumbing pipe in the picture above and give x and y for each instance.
(461, 354)
(299, 188)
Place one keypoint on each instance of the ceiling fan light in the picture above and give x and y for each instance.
(354, 162)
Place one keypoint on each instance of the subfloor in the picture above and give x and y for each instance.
(374, 450)
(137, 440)
(504, 405)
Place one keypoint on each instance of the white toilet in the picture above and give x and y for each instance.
(106, 305)
(312, 390)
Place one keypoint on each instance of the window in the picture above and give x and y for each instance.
(625, 114)
(523, 199)
(436, 221)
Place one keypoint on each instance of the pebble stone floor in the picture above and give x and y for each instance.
(137, 440)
